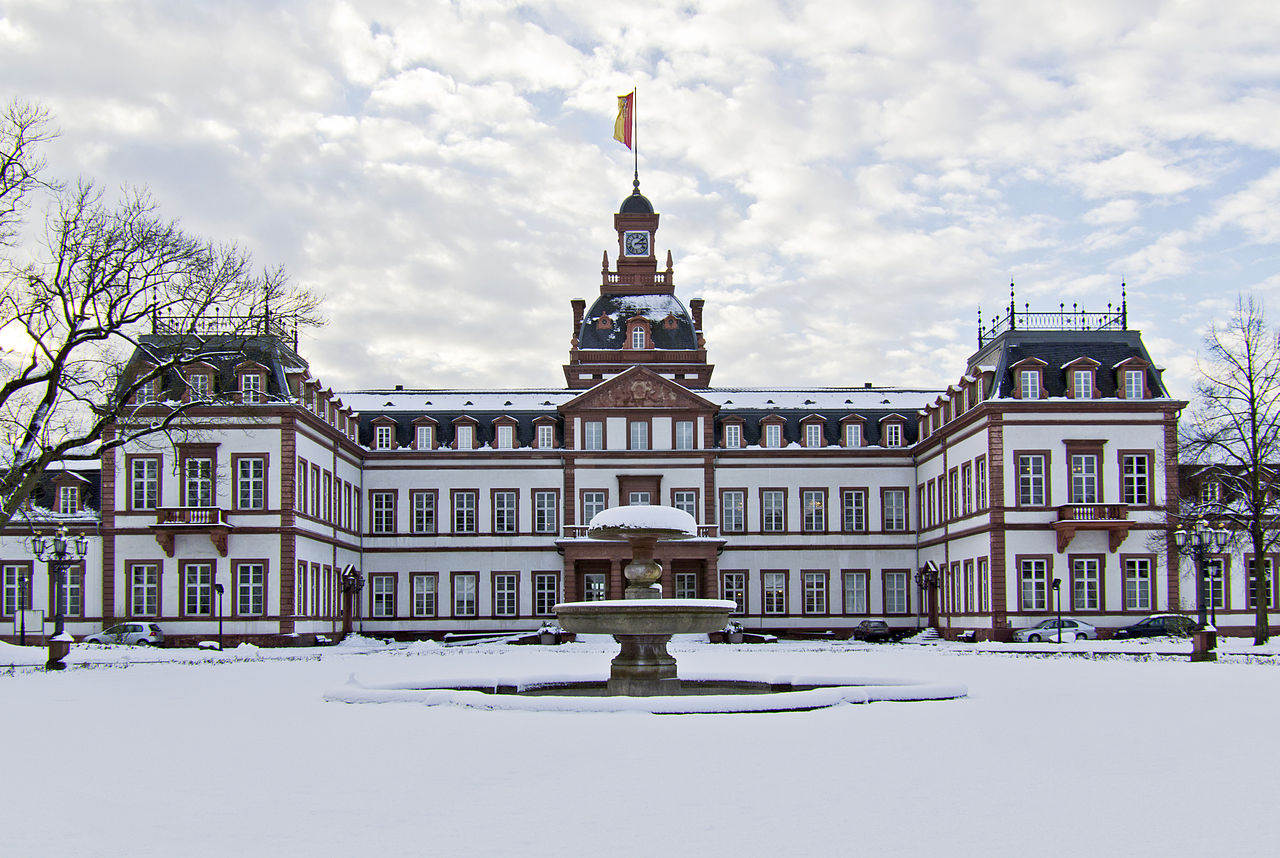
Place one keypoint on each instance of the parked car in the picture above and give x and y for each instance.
(872, 630)
(1047, 630)
(1158, 625)
(143, 634)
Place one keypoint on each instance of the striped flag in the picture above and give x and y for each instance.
(626, 121)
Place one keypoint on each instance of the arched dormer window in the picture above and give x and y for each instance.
(638, 334)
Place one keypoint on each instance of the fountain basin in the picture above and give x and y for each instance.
(642, 628)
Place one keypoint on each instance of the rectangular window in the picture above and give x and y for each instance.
(773, 435)
(464, 594)
(984, 584)
(1137, 584)
(15, 596)
(815, 592)
(895, 509)
(773, 510)
(966, 488)
(383, 511)
(504, 512)
(593, 587)
(300, 591)
(980, 481)
(197, 472)
(424, 595)
(1215, 583)
(144, 483)
(250, 588)
(931, 500)
(1034, 577)
(1029, 383)
(144, 590)
(328, 497)
(148, 391)
(686, 585)
(463, 438)
(251, 388)
(684, 434)
(895, 593)
(425, 437)
(464, 511)
(1083, 384)
(505, 593)
(1253, 586)
(813, 502)
(855, 592)
(853, 434)
(685, 500)
(251, 482)
(315, 490)
(506, 437)
(424, 511)
(1086, 584)
(853, 503)
(545, 516)
(1134, 383)
(382, 437)
(639, 434)
(546, 436)
(1084, 478)
(68, 500)
(197, 589)
(593, 503)
(72, 590)
(1137, 481)
(546, 592)
(775, 592)
(893, 435)
(593, 435)
(953, 494)
(382, 596)
(732, 435)
(813, 435)
(733, 587)
(1031, 480)
(301, 493)
(198, 383)
(639, 498)
(733, 511)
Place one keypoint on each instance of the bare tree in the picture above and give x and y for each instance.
(23, 128)
(1237, 430)
(102, 317)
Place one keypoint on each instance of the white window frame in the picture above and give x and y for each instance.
(505, 508)
(506, 594)
(463, 437)
(1029, 383)
(1084, 478)
(686, 585)
(733, 587)
(546, 436)
(893, 434)
(465, 512)
(1082, 384)
(425, 437)
(853, 504)
(1137, 584)
(896, 517)
(144, 482)
(773, 511)
(506, 437)
(1086, 584)
(465, 600)
(424, 596)
(813, 435)
(685, 500)
(251, 388)
(251, 482)
(383, 512)
(732, 436)
(68, 500)
(855, 592)
(1137, 479)
(424, 511)
(815, 592)
(1033, 584)
(774, 592)
(684, 434)
(250, 589)
(1135, 386)
(733, 507)
(853, 434)
(383, 438)
(1032, 479)
(813, 508)
(638, 435)
(546, 593)
(545, 512)
(897, 597)
(594, 502)
(198, 482)
(382, 596)
(593, 435)
(772, 436)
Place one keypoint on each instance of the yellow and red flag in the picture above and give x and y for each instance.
(626, 121)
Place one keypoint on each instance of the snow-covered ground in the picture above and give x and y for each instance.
(206, 754)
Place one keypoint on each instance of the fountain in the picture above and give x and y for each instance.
(642, 622)
(643, 674)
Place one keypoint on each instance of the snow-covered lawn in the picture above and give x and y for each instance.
(240, 755)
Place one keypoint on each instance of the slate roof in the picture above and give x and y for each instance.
(224, 354)
(1059, 348)
(621, 309)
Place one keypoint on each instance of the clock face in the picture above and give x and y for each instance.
(635, 243)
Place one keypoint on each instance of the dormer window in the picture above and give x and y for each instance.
(732, 435)
(1135, 384)
(251, 387)
(1082, 384)
(638, 334)
(1211, 492)
(68, 500)
(853, 434)
(383, 438)
(546, 436)
(1029, 384)
(813, 434)
(772, 435)
(893, 434)
(198, 384)
(148, 391)
(463, 438)
(506, 437)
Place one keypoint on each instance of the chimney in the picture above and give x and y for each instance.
(579, 309)
(695, 306)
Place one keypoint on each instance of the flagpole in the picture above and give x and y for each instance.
(635, 133)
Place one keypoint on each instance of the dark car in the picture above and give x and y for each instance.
(1159, 625)
(872, 630)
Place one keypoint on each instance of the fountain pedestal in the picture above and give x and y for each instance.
(642, 622)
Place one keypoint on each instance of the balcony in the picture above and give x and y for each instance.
(1111, 517)
(579, 531)
(172, 521)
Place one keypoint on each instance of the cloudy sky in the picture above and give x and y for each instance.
(846, 183)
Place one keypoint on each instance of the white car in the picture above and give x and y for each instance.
(1047, 630)
(145, 634)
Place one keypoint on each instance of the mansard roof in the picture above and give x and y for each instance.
(670, 324)
(225, 354)
(1058, 349)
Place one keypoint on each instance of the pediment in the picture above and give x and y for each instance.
(639, 388)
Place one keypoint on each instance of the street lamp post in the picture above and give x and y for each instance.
(1196, 542)
(24, 602)
(55, 550)
(217, 588)
(1057, 601)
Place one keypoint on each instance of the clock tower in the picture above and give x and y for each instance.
(637, 320)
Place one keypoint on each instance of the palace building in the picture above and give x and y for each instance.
(1044, 470)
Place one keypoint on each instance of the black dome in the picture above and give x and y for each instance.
(670, 324)
(637, 203)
